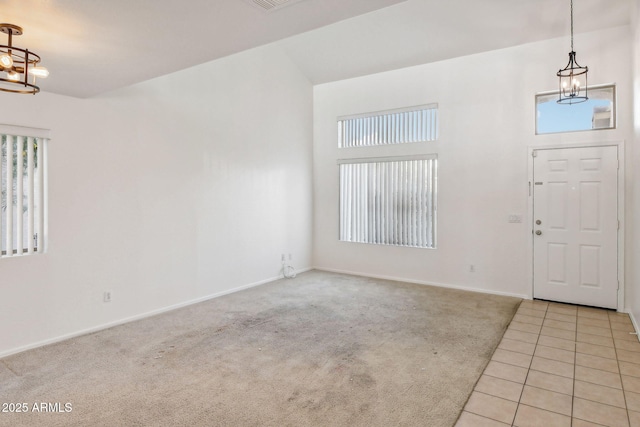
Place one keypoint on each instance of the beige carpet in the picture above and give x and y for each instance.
(322, 349)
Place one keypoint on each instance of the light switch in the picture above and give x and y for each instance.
(515, 218)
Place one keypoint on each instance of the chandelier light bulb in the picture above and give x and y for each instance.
(41, 72)
(13, 76)
(6, 61)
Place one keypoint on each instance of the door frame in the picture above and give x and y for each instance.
(620, 146)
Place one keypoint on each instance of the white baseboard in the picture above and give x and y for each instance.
(635, 323)
(425, 282)
(141, 316)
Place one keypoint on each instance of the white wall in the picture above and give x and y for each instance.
(486, 104)
(633, 256)
(169, 191)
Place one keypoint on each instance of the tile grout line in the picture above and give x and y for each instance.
(575, 363)
(615, 350)
(524, 384)
(515, 414)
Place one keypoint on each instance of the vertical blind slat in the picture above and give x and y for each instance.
(19, 195)
(371, 203)
(341, 207)
(406, 204)
(434, 125)
(352, 202)
(420, 200)
(9, 197)
(393, 171)
(30, 195)
(41, 209)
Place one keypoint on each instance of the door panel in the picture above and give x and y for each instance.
(557, 263)
(575, 241)
(590, 265)
(558, 198)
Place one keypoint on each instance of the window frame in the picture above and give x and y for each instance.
(433, 214)
(385, 120)
(39, 215)
(614, 100)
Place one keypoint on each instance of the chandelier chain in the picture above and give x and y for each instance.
(571, 25)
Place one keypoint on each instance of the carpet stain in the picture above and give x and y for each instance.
(6, 365)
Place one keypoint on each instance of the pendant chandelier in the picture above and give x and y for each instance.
(18, 65)
(572, 79)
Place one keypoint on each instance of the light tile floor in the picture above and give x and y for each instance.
(560, 365)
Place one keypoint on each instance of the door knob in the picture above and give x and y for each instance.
(538, 232)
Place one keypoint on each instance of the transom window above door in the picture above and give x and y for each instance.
(598, 112)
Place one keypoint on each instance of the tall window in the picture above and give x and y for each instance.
(389, 201)
(23, 184)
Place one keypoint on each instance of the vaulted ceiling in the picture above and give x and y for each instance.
(93, 46)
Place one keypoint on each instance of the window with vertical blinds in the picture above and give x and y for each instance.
(23, 184)
(414, 124)
(390, 201)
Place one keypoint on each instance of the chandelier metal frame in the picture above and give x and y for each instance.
(17, 65)
(570, 87)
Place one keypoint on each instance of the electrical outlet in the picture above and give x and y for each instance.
(282, 257)
(106, 297)
(289, 257)
(472, 268)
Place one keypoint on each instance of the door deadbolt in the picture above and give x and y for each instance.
(538, 222)
(538, 232)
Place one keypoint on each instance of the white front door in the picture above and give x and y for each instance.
(575, 225)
